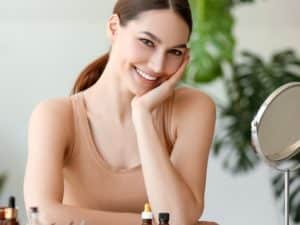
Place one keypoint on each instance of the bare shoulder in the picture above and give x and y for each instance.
(54, 115)
(191, 101)
(60, 108)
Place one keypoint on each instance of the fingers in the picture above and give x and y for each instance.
(169, 84)
(177, 76)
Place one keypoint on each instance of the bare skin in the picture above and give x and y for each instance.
(130, 100)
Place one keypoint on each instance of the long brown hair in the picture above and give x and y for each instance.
(128, 10)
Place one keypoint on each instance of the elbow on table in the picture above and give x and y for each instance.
(47, 212)
(192, 216)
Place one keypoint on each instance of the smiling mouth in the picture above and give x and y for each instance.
(144, 75)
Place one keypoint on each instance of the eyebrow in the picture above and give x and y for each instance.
(155, 38)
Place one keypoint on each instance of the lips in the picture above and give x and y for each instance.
(142, 80)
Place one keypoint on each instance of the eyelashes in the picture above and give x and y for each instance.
(147, 42)
(176, 52)
(150, 44)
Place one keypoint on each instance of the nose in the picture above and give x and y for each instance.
(157, 62)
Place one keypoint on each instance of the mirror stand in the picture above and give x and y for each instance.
(286, 196)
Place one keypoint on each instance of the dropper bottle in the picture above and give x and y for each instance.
(147, 215)
(11, 212)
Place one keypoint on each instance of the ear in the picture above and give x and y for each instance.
(112, 27)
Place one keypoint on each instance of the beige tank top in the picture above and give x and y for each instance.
(90, 182)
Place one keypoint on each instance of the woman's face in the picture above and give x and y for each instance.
(149, 49)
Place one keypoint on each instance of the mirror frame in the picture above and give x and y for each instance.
(257, 119)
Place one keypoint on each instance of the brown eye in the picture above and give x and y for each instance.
(176, 52)
(147, 42)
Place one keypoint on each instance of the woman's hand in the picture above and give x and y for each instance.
(148, 101)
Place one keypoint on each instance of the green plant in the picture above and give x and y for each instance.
(212, 39)
(251, 81)
(2, 180)
(250, 84)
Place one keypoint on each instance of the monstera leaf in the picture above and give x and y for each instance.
(212, 40)
(252, 81)
(212, 44)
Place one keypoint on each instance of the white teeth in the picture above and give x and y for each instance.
(146, 76)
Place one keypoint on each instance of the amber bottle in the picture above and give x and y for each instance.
(11, 213)
(2, 215)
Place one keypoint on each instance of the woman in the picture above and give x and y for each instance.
(125, 136)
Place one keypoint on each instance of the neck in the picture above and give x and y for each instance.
(110, 97)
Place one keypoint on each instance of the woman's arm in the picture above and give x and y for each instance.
(50, 132)
(62, 215)
(177, 185)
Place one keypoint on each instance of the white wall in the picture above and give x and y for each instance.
(45, 44)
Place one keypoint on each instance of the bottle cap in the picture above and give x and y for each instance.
(147, 208)
(163, 217)
(11, 202)
(147, 214)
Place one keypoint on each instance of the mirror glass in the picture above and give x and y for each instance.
(276, 128)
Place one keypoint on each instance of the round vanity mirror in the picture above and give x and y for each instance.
(276, 128)
(275, 133)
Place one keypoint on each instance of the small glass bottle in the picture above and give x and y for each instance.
(33, 216)
(147, 215)
(2, 215)
(163, 218)
(11, 213)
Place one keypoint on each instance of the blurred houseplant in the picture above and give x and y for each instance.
(212, 39)
(247, 85)
(2, 179)
(250, 84)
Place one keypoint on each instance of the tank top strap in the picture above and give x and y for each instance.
(79, 118)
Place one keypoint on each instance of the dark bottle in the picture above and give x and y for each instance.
(163, 218)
